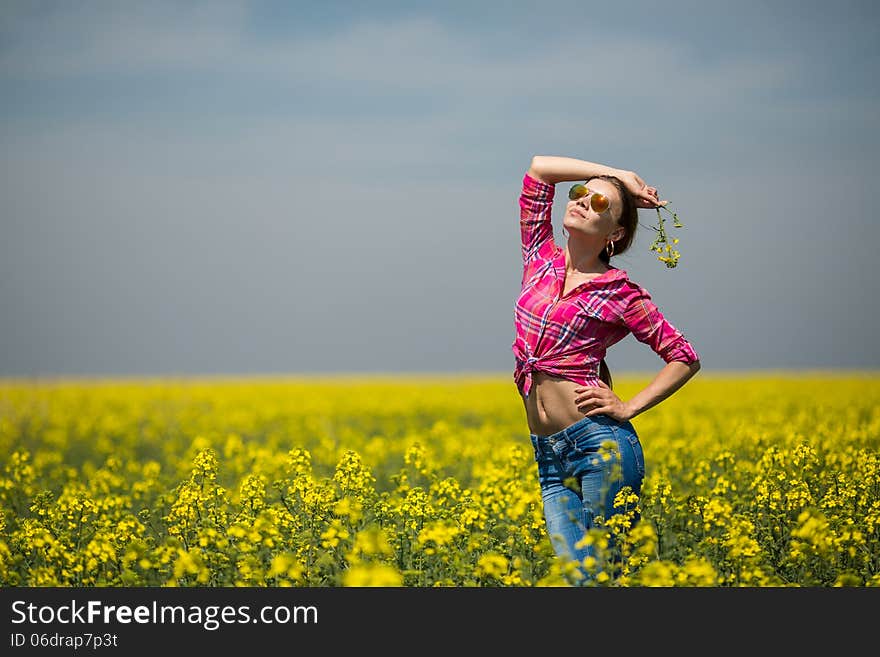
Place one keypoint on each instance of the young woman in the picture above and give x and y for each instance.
(573, 306)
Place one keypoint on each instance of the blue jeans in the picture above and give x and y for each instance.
(579, 478)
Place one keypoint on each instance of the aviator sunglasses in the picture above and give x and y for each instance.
(599, 202)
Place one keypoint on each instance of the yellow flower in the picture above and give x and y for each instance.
(372, 575)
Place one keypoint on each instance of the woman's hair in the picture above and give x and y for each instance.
(605, 373)
(629, 219)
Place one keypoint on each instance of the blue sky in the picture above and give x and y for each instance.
(277, 187)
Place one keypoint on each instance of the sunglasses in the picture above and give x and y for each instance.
(599, 202)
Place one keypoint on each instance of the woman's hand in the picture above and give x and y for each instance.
(601, 400)
(644, 196)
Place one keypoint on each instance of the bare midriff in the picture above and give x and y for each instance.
(550, 405)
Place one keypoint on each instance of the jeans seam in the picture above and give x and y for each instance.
(640, 469)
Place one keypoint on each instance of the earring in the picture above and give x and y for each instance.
(609, 248)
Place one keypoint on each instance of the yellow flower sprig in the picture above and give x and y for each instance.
(667, 253)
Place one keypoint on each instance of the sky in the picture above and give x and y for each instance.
(289, 188)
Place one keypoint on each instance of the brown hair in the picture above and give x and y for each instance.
(605, 373)
(629, 220)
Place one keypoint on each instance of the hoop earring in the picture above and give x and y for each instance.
(609, 248)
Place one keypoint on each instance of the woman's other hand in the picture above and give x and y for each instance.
(644, 196)
(601, 400)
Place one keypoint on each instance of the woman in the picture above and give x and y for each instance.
(572, 307)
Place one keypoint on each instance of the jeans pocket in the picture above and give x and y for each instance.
(566, 451)
(593, 439)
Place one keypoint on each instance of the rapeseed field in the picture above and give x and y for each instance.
(760, 479)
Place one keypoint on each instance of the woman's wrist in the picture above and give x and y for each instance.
(617, 173)
(629, 411)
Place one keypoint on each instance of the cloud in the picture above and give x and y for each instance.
(96, 38)
(418, 54)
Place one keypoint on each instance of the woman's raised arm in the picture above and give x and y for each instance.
(553, 169)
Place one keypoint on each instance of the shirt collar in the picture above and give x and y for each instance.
(612, 274)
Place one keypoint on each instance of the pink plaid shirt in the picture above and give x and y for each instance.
(567, 336)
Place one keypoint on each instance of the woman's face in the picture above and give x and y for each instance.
(583, 219)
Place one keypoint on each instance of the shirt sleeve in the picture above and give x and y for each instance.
(648, 325)
(536, 228)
